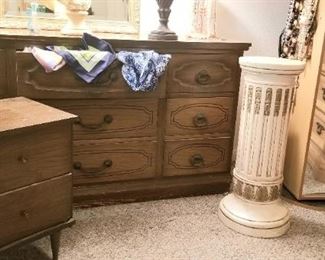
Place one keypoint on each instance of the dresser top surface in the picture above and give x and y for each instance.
(19, 38)
(17, 113)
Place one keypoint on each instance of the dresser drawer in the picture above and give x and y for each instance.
(105, 161)
(199, 116)
(31, 209)
(99, 119)
(318, 130)
(33, 82)
(31, 156)
(189, 157)
(320, 103)
(202, 73)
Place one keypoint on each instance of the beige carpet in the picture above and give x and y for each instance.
(186, 228)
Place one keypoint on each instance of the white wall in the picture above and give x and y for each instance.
(257, 21)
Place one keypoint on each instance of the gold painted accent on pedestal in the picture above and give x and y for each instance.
(268, 100)
(286, 102)
(258, 96)
(249, 99)
(274, 192)
(255, 192)
(278, 97)
(238, 187)
(261, 194)
(248, 192)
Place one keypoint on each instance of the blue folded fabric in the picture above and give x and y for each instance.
(141, 70)
(90, 61)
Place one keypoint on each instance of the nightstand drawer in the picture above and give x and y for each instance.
(189, 157)
(34, 82)
(202, 73)
(30, 156)
(99, 119)
(31, 209)
(105, 161)
(199, 116)
(318, 130)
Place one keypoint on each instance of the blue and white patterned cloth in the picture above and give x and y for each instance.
(141, 70)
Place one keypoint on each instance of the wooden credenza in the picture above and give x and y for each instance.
(174, 141)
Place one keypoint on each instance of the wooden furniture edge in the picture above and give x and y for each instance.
(151, 190)
(39, 234)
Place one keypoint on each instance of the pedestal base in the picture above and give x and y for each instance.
(265, 220)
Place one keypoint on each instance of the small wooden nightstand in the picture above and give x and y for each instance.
(35, 172)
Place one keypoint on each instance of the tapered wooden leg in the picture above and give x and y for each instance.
(55, 244)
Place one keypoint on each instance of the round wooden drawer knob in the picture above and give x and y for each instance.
(22, 159)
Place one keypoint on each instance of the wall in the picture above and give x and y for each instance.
(257, 21)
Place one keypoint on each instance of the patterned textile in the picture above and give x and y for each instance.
(90, 61)
(296, 38)
(49, 60)
(141, 70)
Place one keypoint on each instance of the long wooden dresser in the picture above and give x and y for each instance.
(174, 141)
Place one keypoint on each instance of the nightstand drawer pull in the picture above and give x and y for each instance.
(22, 159)
(197, 160)
(202, 77)
(323, 93)
(93, 171)
(200, 120)
(108, 119)
(25, 214)
(319, 128)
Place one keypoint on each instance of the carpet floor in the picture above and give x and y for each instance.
(185, 228)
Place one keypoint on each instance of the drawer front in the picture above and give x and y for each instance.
(100, 119)
(33, 82)
(318, 130)
(199, 116)
(29, 210)
(316, 159)
(34, 155)
(197, 157)
(321, 93)
(104, 161)
(203, 73)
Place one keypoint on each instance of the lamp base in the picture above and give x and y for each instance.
(264, 220)
(162, 35)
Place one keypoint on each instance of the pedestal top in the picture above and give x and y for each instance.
(271, 63)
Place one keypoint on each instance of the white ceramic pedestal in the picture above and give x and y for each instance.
(254, 207)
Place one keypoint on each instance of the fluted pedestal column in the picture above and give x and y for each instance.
(254, 207)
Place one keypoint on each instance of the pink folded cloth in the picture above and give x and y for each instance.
(49, 60)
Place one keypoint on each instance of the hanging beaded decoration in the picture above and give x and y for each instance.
(299, 30)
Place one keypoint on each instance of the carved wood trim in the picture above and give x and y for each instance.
(223, 110)
(219, 65)
(104, 82)
(145, 110)
(219, 159)
(108, 172)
